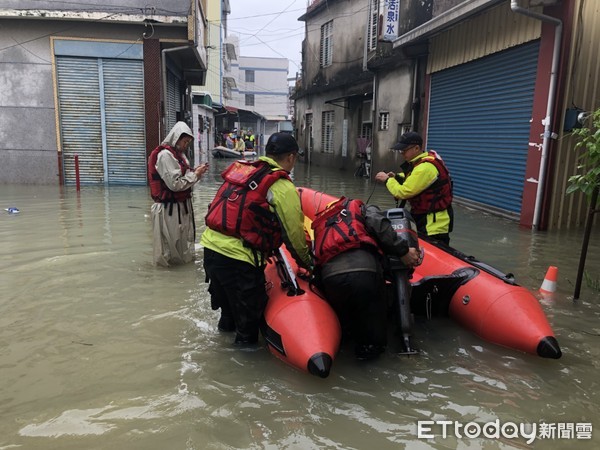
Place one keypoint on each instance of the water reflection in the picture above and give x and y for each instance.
(100, 349)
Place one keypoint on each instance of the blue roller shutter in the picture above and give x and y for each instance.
(479, 122)
(101, 110)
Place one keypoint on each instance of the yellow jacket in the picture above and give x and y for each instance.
(421, 177)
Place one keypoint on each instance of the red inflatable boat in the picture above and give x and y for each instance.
(477, 296)
(300, 328)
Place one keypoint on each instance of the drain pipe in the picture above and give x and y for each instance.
(163, 63)
(548, 134)
(414, 94)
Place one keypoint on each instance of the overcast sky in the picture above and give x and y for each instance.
(269, 28)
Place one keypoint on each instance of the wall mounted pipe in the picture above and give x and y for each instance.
(514, 6)
(415, 93)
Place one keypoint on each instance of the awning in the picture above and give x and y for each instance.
(443, 21)
(341, 101)
(260, 116)
(243, 113)
(188, 60)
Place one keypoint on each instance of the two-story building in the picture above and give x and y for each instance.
(334, 96)
(494, 86)
(97, 83)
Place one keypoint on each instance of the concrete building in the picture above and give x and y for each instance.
(100, 83)
(262, 86)
(256, 93)
(334, 97)
(493, 86)
(207, 99)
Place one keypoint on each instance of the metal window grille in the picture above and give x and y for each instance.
(249, 76)
(327, 44)
(384, 121)
(366, 131)
(327, 131)
(249, 99)
(309, 131)
(374, 25)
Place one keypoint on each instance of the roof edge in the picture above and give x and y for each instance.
(43, 14)
(445, 20)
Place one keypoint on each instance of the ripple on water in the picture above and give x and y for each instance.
(97, 421)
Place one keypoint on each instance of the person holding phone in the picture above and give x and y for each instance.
(171, 181)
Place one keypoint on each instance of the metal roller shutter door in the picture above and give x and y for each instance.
(101, 103)
(479, 122)
(124, 117)
(173, 99)
(80, 117)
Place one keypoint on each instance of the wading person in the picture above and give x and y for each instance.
(255, 210)
(239, 146)
(350, 241)
(171, 181)
(425, 182)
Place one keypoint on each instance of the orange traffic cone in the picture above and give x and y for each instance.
(549, 283)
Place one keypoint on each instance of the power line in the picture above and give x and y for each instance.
(246, 37)
(267, 14)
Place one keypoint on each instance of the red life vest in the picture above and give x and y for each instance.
(240, 207)
(341, 227)
(438, 196)
(158, 189)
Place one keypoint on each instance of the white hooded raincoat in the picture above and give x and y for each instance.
(173, 229)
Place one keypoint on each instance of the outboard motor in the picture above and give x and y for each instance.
(406, 230)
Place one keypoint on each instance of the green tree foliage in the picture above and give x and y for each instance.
(588, 176)
(587, 180)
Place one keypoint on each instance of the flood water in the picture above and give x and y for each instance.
(101, 350)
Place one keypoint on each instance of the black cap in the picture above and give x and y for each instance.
(280, 143)
(408, 139)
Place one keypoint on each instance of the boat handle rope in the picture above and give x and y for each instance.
(428, 305)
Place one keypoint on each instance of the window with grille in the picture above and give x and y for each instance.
(327, 44)
(366, 131)
(327, 131)
(384, 120)
(249, 76)
(249, 99)
(374, 25)
(309, 132)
